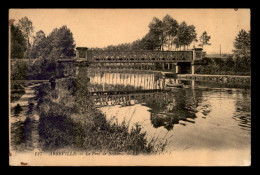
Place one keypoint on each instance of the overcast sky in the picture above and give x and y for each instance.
(102, 27)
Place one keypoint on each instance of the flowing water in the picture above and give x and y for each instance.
(192, 117)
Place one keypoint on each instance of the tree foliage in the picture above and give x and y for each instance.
(242, 44)
(27, 29)
(185, 35)
(26, 26)
(170, 30)
(204, 39)
(242, 51)
(157, 31)
(58, 44)
(163, 34)
(18, 43)
(47, 50)
(38, 46)
(149, 42)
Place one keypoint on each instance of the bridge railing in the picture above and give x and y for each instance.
(140, 56)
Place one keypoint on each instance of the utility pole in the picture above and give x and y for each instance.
(220, 50)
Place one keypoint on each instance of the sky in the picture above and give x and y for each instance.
(103, 27)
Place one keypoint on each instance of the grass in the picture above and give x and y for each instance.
(71, 120)
(21, 134)
(17, 130)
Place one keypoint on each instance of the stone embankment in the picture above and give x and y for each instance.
(217, 78)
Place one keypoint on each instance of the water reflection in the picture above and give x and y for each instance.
(127, 81)
(180, 105)
(243, 111)
(168, 106)
(213, 116)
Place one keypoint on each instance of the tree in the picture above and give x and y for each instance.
(191, 35)
(156, 29)
(18, 43)
(58, 44)
(185, 35)
(26, 27)
(181, 34)
(37, 46)
(161, 32)
(242, 52)
(47, 50)
(40, 35)
(170, 28)
(242, 44)
(149, 42)
(204, 39)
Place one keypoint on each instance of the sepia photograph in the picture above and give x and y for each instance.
(129, 87)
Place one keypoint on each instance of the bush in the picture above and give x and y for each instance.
(55, 131)
(224, 66)
(42, 69)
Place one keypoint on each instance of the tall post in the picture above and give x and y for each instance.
(192, 83)
(192, 62)
(77, 54)
(176, 68)
(220, 50)
(163, 66)
(192, 68)
(81, 52)
(144, 82)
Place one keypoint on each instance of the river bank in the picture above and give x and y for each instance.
(227, 80)
(65, 118)
(23, 120)
(69, 120)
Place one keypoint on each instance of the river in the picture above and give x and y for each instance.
(197, 116)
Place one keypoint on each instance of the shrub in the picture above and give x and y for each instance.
(224, 66)
(55, 131)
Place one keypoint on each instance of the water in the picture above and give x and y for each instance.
(195, 117)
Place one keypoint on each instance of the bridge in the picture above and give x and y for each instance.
(178, 61)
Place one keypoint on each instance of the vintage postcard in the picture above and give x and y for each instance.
(129, 87)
